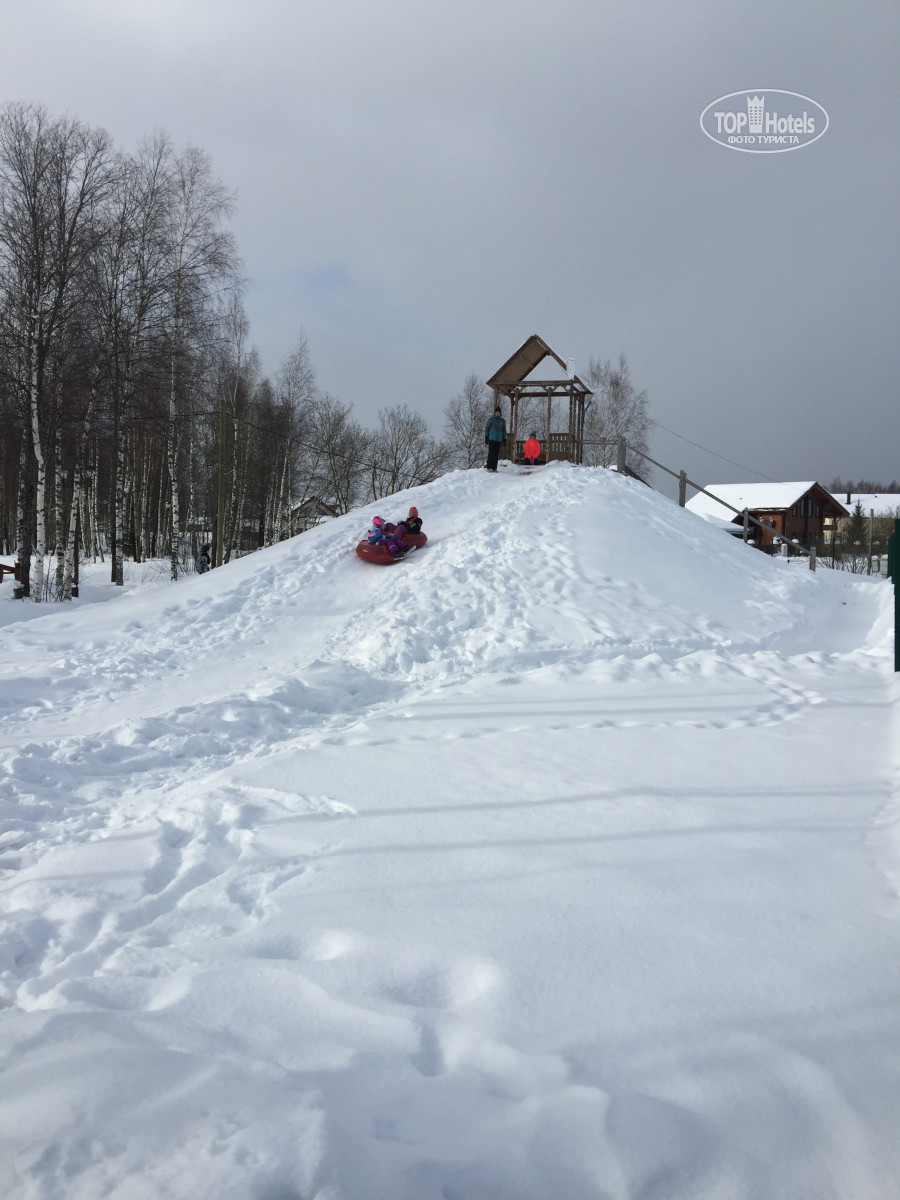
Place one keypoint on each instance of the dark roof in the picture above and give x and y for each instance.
(523, 362)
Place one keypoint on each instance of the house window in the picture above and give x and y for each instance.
(794, 511)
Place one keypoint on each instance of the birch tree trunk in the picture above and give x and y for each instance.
(241, 513)
(172, 456)
(58, 512)
(146, 515)
(161, 519)
(40, 549)
(191, 522)
(282, 500)
(23, 547)
(97, 541)
(235, 484)
(118, 566)
(69, 566)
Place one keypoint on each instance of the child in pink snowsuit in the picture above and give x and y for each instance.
(389, 534)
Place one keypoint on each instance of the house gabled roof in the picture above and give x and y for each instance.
(528, 356)
(314, 504)
(757, 497)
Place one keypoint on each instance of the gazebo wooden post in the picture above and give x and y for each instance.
(513, 423)
(496, 402)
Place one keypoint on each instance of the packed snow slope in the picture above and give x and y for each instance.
(558, 860)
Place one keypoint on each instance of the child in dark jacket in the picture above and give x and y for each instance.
(412, 523)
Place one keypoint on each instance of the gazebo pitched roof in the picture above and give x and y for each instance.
(528, 356)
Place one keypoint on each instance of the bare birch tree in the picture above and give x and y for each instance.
(201, 263)
(296, 392)
(128, 292)
(464, 419)
(403, 452)
(617, 411)
(341, 448)
(53, 176)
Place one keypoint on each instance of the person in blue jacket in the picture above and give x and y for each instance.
(494, 437)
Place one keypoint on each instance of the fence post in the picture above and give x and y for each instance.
(682, 488)
(812, 558)
(620, 456)
(746, 524)
(894, 573)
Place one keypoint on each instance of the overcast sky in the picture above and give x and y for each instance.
(422, 186)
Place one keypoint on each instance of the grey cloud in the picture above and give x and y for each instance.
(422, 187)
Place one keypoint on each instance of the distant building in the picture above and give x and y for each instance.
(310, 512)
(800, 512)
(883, 504)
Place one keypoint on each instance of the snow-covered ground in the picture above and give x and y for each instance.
(560, 860)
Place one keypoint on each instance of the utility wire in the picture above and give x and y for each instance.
(705, 450)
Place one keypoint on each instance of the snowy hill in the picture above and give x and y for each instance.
(557, 860)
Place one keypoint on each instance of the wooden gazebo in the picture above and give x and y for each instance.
(511, 381)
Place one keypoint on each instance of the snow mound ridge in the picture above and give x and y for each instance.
(560, 568)
(565, 566)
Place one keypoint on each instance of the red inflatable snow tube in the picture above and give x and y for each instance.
(381, 555)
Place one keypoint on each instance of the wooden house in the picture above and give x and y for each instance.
(799, 512)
